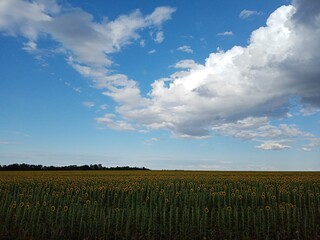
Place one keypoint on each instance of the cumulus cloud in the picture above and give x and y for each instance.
(245, 13)
(243, 85)
(237, 92)
(185, 48)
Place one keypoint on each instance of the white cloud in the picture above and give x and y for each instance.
(23, 18)
(274, 145)
(142, 43)
(248, 13)
(227, 33)
(152, 51)
(88, 104)
(314, 143)
(77, 89)
(306, 149)
(159, 37)
(87, 41)
(104, 106)
(253, 82)
(185, 48)
(30, 46)
(150, 141)
(256, 128)
(309, 110)
(119, 125)
(160, 15)
(243, 85)
(187, 64)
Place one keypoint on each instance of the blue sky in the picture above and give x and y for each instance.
(210, 85)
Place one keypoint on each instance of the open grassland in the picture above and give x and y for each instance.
(159, 205)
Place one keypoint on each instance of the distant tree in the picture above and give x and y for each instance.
(25, 167)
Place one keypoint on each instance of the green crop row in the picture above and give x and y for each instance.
(159, 205)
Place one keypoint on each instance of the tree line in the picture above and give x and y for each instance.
(25, 167)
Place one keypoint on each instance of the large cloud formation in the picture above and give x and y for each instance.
(280, 63)
(244, 86)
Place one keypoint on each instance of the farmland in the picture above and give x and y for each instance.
(159, 205)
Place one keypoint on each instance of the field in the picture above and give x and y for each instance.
(159, 205)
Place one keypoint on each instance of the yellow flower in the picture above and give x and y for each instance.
(206, 210)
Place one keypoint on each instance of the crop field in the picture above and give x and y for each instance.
(159, 205)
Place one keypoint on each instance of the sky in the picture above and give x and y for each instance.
(193, 85)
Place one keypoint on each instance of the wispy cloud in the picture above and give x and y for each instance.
(274, 145)
(227, 33)
(150, 141)
(88, 42)
(152, 51)
(314, 143)
(159, 37)
(111, 122)
(104, 106)
(88, 104)
(142, 43)
(185, 48)
(248, 13)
